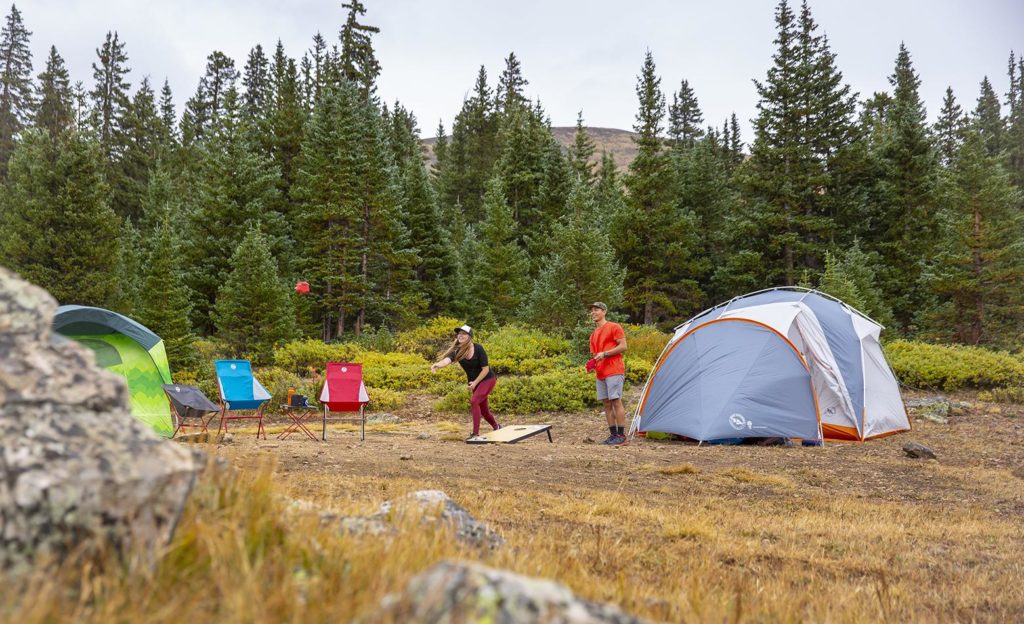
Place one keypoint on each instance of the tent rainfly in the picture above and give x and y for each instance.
(129, 349)
(784, 362)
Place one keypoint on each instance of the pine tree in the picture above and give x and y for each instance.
(143, 135)
(906, 197)
(235, 186)
(949, 128)
(435, 270)
(57, 187)
(499, 277)
(581, 269)
(130, 274)
(162, 202)
(257, 86)
(165, 302)
(168, 119)
(525, 144)
(253, 312)
(16, 97)
(1015, 121)
(329, 210)
(511, 87)
(684, 117)
(358, 61)
(977, 277)
(803, 125)
(283, 134)
(653, 239)
(471, 153)
(735, 146)
(835, 282)
(988, 120)
(110, 99)
(55, 113)
(581, 153)
(608, 191)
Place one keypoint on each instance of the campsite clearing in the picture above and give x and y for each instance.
(670, 531)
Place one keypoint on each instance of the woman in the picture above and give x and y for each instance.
(473, 359)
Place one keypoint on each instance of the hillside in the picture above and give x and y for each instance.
(618, 143)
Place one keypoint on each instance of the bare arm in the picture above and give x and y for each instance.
(440, 364)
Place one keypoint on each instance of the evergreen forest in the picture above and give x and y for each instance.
(287, 165)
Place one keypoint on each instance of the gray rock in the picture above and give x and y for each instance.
(918, 451)
(435, 507)
(76, 470)
(468, 592)
(937, 409)
(423, 436)
(383, 418)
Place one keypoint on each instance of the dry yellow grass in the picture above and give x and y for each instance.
(751, 534)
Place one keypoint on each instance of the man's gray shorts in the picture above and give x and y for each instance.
(610, 387)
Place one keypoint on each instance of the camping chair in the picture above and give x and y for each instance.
(239, 390)
(344, 391)
(299, 411)
(189, 402)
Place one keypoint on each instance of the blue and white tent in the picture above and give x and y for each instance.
(785, 362)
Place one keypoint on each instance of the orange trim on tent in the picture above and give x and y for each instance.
(887, 434)
(839, 432)
(664, 358)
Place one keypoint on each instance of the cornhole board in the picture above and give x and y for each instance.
(510, 434)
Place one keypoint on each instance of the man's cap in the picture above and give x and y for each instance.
(598, 304)
(464, 328)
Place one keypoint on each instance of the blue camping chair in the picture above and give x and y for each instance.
(239, 390)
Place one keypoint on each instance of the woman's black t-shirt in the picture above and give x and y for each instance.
(473, 365)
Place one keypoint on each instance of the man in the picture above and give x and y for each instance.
(607, 344)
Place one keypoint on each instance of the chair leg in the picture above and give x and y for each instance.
(362, 423)
(323, 432)
(259, 430)
(222, 425)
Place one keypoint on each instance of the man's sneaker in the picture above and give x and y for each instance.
(609, 440)
(620, 440)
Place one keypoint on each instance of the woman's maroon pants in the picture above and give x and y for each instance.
(479, 404)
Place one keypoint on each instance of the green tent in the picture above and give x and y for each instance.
(127, 348)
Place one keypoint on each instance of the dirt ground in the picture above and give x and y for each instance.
(980, 458)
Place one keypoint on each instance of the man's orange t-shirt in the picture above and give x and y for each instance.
(606, 338)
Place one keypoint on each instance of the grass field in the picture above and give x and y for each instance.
(669, 532)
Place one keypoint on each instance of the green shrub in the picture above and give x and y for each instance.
(428, 340)
(395, 371)
(383, 400)
(378, 339)
(637, 370)
(517, 350)
(1012, 394)
(529, 366)
(210, 349)
(922, 365)
(645, 342)
(558, 391)
(305, 357)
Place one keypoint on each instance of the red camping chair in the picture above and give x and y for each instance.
(344, 391)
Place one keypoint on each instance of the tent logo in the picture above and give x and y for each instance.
(739, 422)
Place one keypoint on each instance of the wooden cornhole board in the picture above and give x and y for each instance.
(510, 434)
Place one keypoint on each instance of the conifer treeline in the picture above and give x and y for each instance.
(286, 169)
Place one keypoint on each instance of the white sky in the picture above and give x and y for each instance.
(576, 54)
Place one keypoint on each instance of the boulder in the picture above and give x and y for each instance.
(468, 592)
(918, 451)
(937, 409)
(436, 507)
(76, 470)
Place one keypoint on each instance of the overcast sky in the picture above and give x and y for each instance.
(576, 55)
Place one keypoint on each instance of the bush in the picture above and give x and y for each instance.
(210, 349)
(383, 400)
(428, 340)
(923, 365)
(394, 371)
(645, 342)
(558, 391)
(304, 357)
(512, 345)
(277, 381)
(637, 370)
(376, 339)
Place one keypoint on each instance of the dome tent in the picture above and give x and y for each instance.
(785, 362)
(129, 349)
